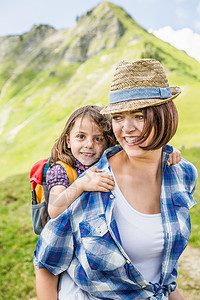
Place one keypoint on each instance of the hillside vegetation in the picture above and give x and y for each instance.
(45, 74)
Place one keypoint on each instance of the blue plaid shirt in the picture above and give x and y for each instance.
(84, 240)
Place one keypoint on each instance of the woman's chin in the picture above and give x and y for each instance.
(133, 150)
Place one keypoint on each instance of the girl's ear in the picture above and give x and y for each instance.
(68, 141)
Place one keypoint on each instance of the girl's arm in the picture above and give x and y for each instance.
(174, 158)
(46, 285)
(61, 198)
(176, 295)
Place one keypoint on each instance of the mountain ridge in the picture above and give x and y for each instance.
(46, 73)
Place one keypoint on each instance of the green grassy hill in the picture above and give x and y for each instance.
(45, 74)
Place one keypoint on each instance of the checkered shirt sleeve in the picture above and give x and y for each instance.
(54, 249)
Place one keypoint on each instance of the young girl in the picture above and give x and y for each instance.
(86, 135)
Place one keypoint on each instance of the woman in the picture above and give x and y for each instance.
(125, 244)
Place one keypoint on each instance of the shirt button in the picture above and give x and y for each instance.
(99, 229)
(111, 196)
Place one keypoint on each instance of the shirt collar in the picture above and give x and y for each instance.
(80, 166)
(166, 151)
(103, 163)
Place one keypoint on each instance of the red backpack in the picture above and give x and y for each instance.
(40, 192)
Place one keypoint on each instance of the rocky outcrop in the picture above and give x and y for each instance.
(32, 39)
(7, 46)
(20, 50)
(43, 46)
(97, 30)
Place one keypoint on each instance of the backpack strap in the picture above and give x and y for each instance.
(71, 173)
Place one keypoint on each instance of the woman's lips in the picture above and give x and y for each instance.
(131, 140)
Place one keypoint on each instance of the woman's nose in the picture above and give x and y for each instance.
(128, 125)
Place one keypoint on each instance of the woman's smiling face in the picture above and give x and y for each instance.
(127, 127)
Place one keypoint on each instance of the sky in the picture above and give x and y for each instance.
(175, 21)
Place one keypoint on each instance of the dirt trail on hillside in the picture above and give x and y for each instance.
(189, 273)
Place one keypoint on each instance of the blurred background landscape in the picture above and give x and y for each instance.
(45, 74)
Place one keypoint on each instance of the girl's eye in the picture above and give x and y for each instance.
(80, 136)
(99, 139)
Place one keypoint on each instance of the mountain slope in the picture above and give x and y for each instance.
(45, 74)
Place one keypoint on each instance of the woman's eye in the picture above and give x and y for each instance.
(116, 117)
(140, 117)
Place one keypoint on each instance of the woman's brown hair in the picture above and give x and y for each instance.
(164, 120)
(60, 150)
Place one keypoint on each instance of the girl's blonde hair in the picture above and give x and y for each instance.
(60, 150)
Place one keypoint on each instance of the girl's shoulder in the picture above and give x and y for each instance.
(55, 170)
(56, 175)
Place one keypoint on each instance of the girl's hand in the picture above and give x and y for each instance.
(174, 158)
(95, 180)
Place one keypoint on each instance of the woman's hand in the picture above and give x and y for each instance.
(174, 158)
(95, 180)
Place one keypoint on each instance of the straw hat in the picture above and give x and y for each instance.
(139, 84)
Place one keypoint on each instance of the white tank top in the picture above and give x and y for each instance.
(142, 237)
(68, 290)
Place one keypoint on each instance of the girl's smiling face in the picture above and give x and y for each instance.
(127, 127)
(86, 141)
